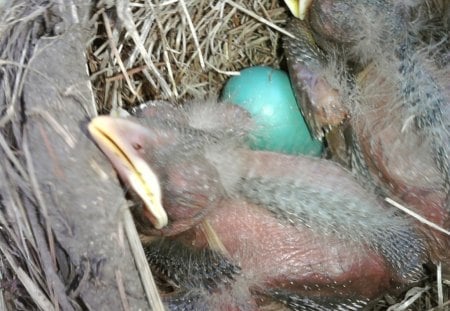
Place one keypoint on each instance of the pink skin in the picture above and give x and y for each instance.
(403, 163)
(324, 108)
(399, 161)
(273, 254)
(277, 255)
(399, 157)
(292, 258)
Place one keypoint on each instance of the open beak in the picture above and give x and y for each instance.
(122, 140)
(298, 7)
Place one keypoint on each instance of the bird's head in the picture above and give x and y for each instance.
(126, 144)
(163, 156)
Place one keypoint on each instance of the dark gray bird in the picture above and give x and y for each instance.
(240, 229)
(376, 77)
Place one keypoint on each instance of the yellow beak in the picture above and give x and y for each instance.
(116, 138)
(298, 8)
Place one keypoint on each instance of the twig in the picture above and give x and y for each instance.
(2, 299)
(139, 256)
(11, 157)
(121, 288)
(440, 308)
(18, 84)
(213, 239)
(194, 33)
(117, 54)
(412, 295)
(440, 291)
(131, 71)
(417, 216)
(123, 12)
(36, 294)
(165, 52)
(259, 18)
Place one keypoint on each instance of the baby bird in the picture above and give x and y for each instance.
(242, 229)
(377, 73)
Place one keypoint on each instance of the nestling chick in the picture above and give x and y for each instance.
(294, 231)
(385, 65)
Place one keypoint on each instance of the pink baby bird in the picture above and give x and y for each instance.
(237, 229)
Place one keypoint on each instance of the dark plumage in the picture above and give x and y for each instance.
(385, 64)
(283, 230)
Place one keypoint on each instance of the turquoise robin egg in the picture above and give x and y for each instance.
(267, 94)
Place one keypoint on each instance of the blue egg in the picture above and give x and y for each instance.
(267, 94)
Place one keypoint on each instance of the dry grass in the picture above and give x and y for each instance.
(139, 50)
(177, 50)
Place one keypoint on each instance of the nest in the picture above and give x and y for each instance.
(177, 50)
(63, 246)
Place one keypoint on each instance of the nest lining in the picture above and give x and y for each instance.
(136, 51)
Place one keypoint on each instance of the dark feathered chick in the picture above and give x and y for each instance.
(248, 229)
(385, 66)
